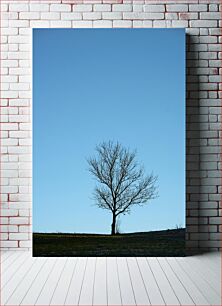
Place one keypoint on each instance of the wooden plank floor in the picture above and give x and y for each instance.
(193, 280)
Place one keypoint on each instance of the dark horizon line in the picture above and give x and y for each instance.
(108, 234)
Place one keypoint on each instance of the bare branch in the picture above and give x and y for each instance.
(122, 179)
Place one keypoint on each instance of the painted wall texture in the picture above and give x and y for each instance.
(201, 18)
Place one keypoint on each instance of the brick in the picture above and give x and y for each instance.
(203, 23)
(102, 24)
(137, 8)
(4, 182)
(13, 158)
(19, 118)
(8, 244)
(207, 15)
(24, 173)
(60, 24)
(18, 7)
(215, 126)
(208, 40)
(213, 7)
(215, 236)
(18, 236)
(19, 86)
(24, 166)
(4, 220)
(24, 111)
(82, 24)
(138, 23)
(3, 72)
(4, 7)
(135, 15)
(214, 63)
(209, 228)
(20, 197)
(9, 126)
(24, 212)
(19, 71)
(25, 244)
(192, 221)
(25, 189)
(199, 236)
(4, 118)
(9, 212)
(60, 8)
(20, 205)
(122, 23)
(215, 78)
(92, 15)
(18, 150)
(53, 16)
(9, 78)
(9, 94)
(180, 23)
(9, 31)
(215, 220)
(24, 229)
(8, 228)
(171, 16)
(82, 8)
(39, 24)
(10, 173)
(177, 8)
(19, 220)
(122, 7)
(29, 15)
(154, 8)
(147, 24)
(13, 47)
(25, 79)
(207, 55)
(192, 228)
(162, 23)
(9, 166)
(102, 7)
(208, 213)
(204, 31)
(25, 158)
(197, 7)
(19, 134)
(208, 166)
(37, 7)
(112, 15)
(187, 16)
(212, 118)
(71, 16)
(214, 47)
(208, 205)
(9, 63)
(210, 157)
(19, 102)
(216, 31)
(9, 142)
(18, 23)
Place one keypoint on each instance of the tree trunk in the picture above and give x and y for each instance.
(113, 226)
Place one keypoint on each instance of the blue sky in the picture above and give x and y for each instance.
(92, 85)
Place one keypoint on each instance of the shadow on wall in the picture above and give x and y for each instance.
(197, 227)
(192, 147)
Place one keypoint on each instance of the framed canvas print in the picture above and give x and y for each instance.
(109, 142)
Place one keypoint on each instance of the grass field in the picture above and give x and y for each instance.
(156, 243)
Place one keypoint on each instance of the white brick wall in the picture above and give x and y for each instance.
(201, 19)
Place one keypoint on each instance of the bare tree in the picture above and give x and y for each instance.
(122, 183)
